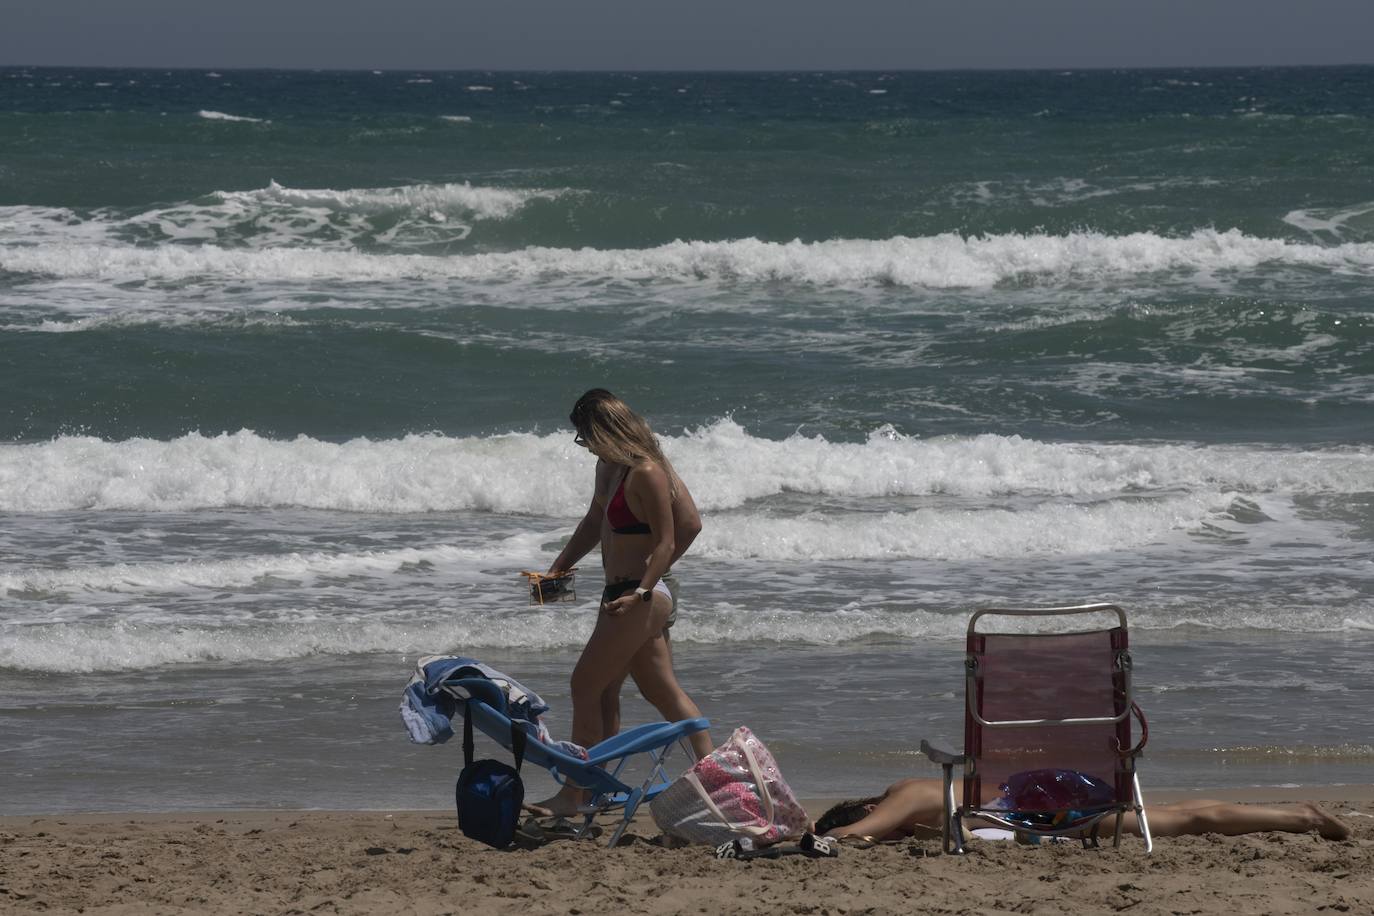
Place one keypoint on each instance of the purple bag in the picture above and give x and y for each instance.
(1056, 790)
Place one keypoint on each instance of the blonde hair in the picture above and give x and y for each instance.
(618, 434)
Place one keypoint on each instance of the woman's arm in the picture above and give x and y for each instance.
(583, 539)
(882, 822)
(650, 485)
(906, 804)
(588, 531)
(686, 521)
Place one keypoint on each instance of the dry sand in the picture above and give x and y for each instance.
(418, 862)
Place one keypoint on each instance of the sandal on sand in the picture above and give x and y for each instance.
(535, 832)
(810, 845)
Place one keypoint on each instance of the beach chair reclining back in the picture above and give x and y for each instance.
(1045, 679)
(448, 686)
(1047, 728)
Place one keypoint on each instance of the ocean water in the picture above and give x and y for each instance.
(287, 359)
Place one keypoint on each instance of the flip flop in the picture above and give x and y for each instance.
(810, 845)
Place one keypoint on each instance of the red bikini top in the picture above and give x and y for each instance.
(618, 513)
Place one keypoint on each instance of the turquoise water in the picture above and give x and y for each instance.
(288, 357)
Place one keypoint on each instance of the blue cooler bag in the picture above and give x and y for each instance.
(489, 793)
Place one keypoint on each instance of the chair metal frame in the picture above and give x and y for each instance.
(1085, 828)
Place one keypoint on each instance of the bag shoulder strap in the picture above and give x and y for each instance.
(760, 780)
(467, 732)
(517, 741)
(517, 737)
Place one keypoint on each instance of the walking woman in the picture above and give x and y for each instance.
(644, 519)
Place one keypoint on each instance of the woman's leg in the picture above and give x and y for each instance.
(652, 669)
(606, 657)
(602, 666)
(610, 706)
(610, 697)
(1199, 816)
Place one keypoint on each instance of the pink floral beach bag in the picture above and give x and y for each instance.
(735, 791)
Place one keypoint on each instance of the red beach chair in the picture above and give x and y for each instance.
(1047, 729)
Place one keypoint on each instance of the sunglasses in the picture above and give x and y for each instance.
(579, 439)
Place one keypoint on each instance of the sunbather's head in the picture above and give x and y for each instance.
(846, 813)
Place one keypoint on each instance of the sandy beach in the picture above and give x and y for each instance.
(418, 862)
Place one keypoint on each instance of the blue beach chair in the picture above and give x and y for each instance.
(450, 688)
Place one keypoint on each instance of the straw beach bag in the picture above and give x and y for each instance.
(735, 791)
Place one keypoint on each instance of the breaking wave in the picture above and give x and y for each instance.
(546, 475)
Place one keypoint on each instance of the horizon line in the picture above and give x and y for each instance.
(695, 71)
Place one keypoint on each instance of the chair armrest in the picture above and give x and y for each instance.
(944, 758)
(642, 738)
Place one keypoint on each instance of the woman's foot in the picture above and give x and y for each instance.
(1330, 827)
(565, 804)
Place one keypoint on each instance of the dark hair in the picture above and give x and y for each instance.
(844, 814)
(586, 405)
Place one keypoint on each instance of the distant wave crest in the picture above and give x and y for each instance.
(265, 230)
(221, 116)
(947, 261)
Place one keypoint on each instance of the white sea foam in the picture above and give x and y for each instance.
(245, 571)
(415, 474)
(547, 475)
(191, 319)
(125, 646)
(276, 217)
(221, 116)
(464, 198)
(326, 218)
(1335, 223)
(1065, 191)
(1042, 531)
(126, 643)
(1045, 530)
(943, 261)
(34, 225)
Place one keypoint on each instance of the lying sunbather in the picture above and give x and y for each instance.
(915, 807)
